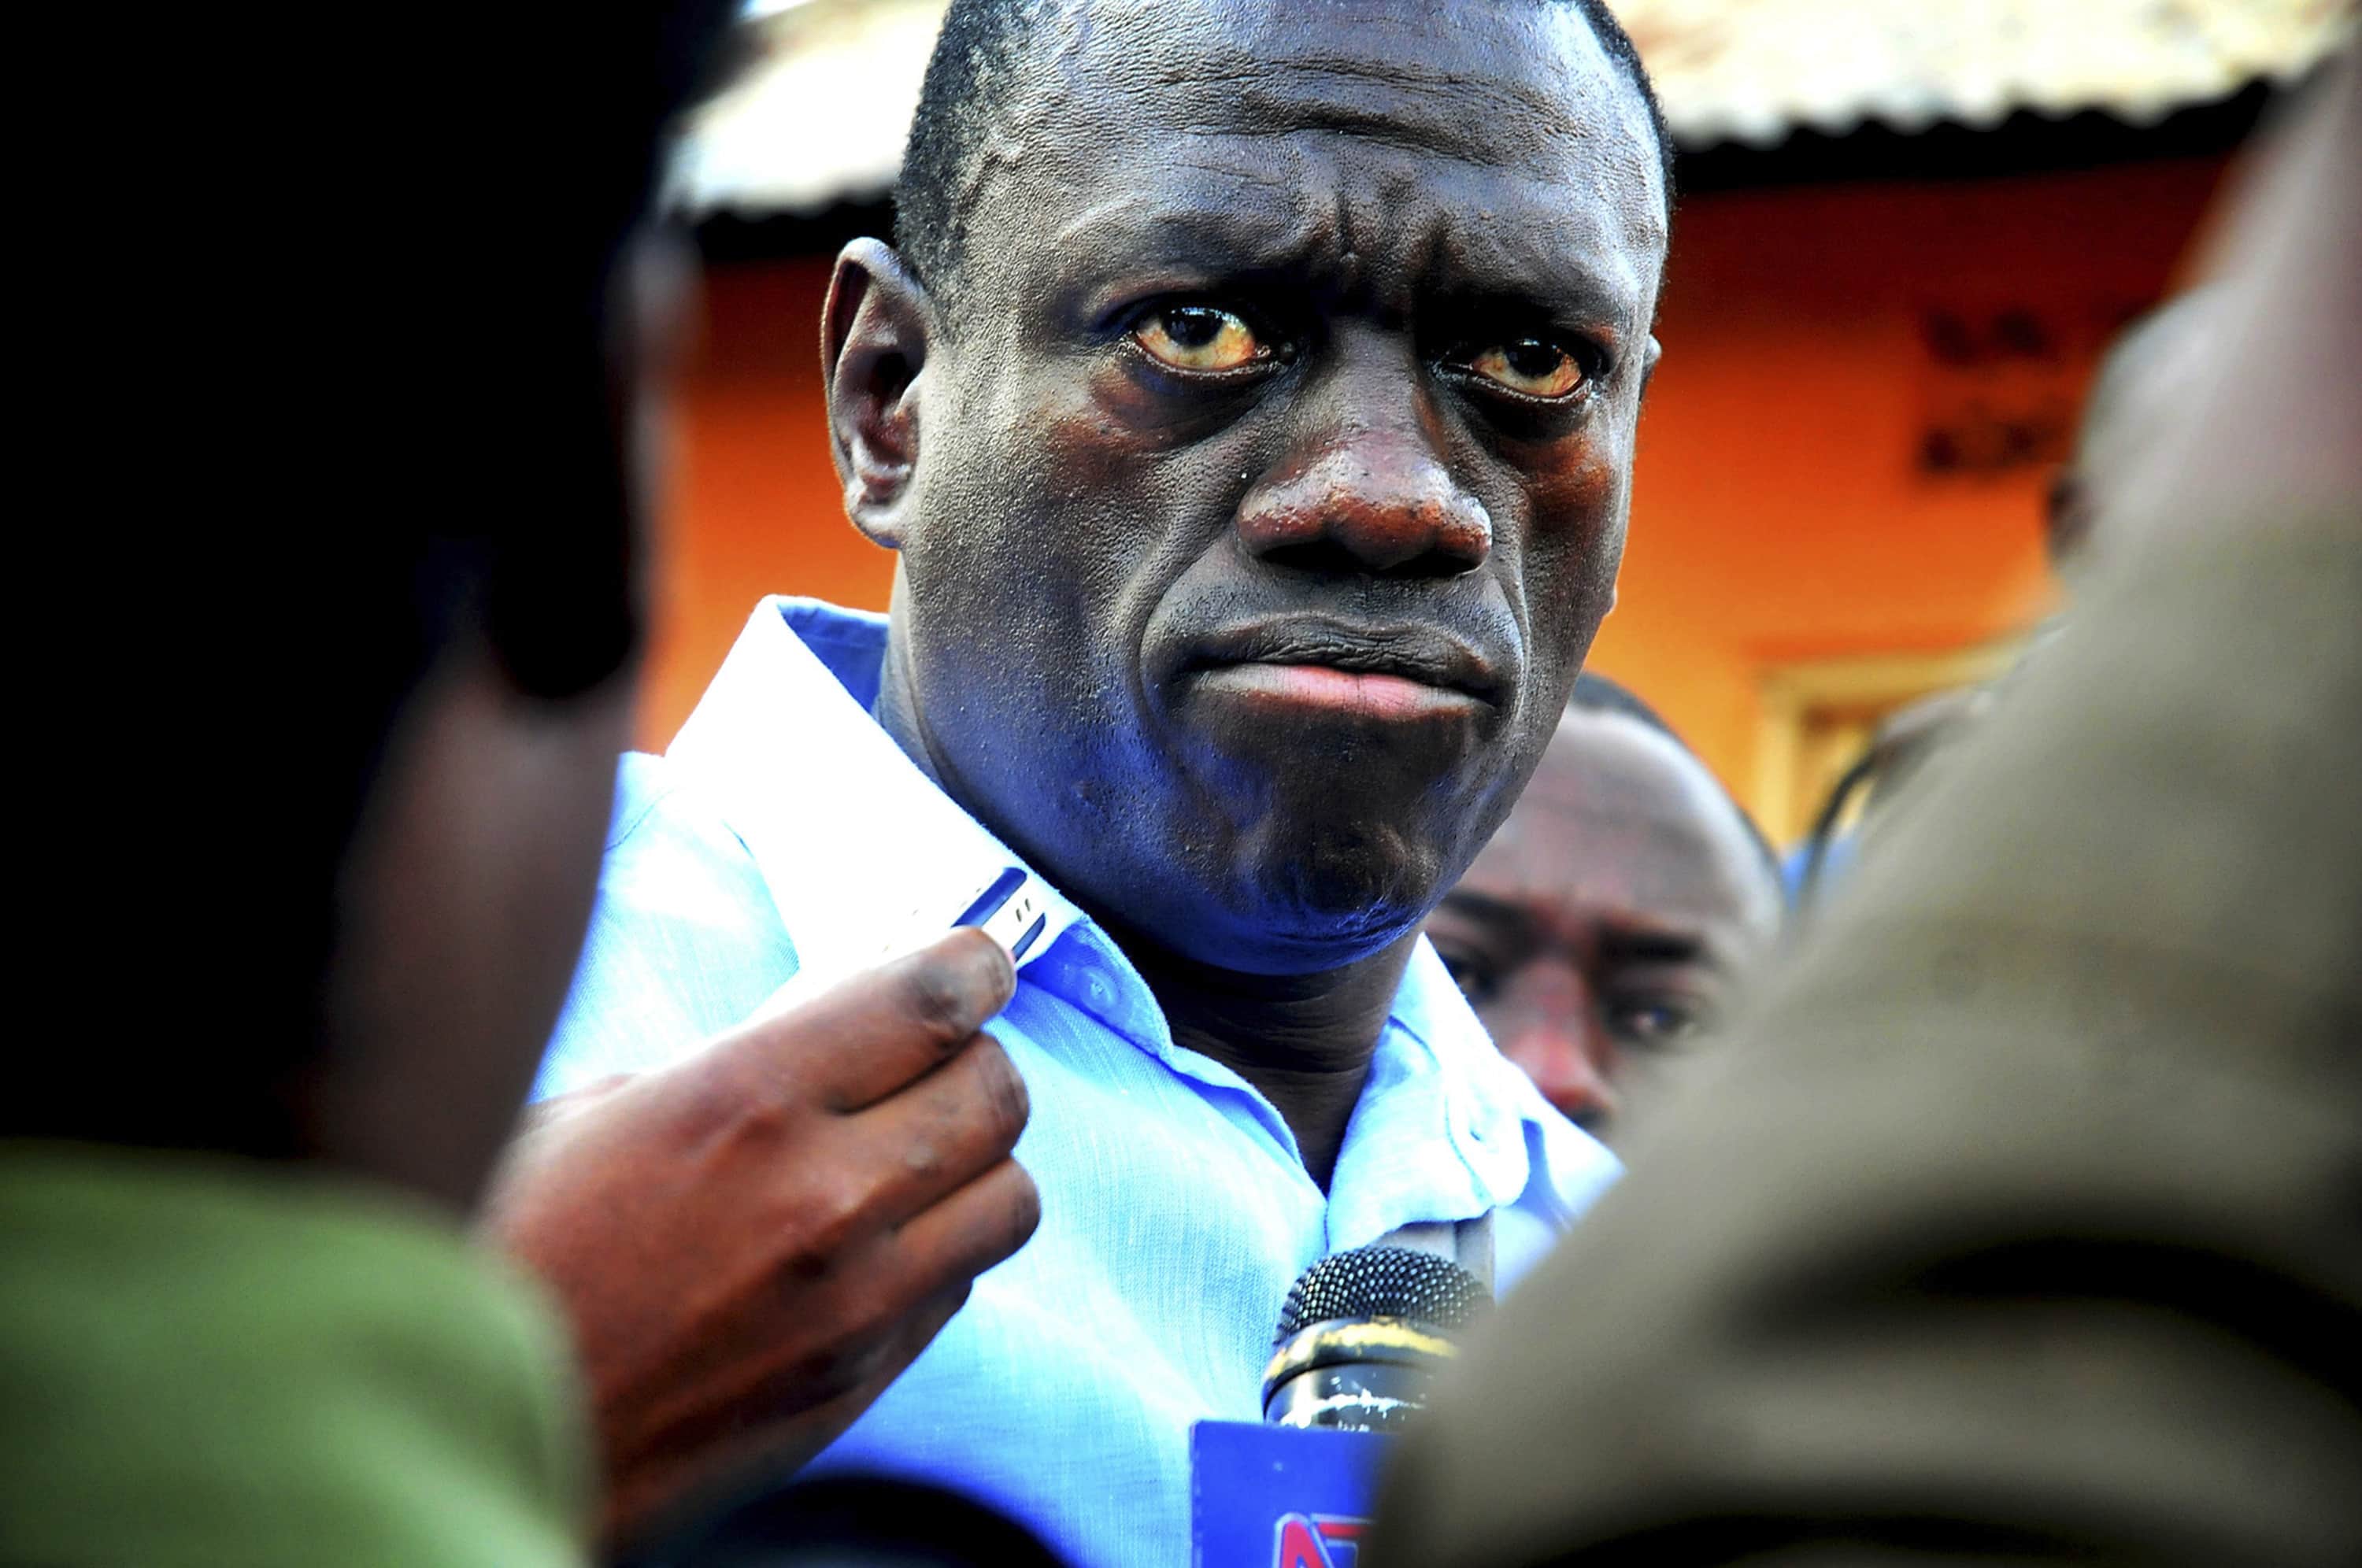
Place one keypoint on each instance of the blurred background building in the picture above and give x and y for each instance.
(1906, 229)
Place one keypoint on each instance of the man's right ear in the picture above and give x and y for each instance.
(875, 334)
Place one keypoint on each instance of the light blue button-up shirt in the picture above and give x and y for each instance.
(784, 837)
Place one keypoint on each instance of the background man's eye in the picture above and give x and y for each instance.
(1474, 980)
(1653, 1022)
(1533, 366)
(1199, 338)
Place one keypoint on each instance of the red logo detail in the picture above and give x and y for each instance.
(1309, 1541)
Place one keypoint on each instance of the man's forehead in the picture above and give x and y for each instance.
(1483, 83)
(1616, 803)
(1605, 768)
(1603, 764)
(1521, 86)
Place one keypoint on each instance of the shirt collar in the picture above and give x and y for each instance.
(1438, 1082)
(784, 741)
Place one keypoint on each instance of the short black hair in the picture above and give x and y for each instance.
(974, 71)
(1597, 694)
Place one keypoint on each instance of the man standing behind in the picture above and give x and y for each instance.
(1252, 402)
(1604, 928)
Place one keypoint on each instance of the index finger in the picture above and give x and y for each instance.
(868, 1036)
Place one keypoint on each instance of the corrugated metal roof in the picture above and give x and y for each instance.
(1751, 71)
(819, 116)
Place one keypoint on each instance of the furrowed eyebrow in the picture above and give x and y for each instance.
(1264, 229)
(1241, 226)
(1507, 919)
(1491, 270)
(1645, 947)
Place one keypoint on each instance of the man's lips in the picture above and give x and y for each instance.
(1319, 686)
(1398, 673)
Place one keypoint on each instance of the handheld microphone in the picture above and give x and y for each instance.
(1359, 1342)
(1362, 1335)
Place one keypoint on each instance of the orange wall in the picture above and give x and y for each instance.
(1778, 512)
(753, 506)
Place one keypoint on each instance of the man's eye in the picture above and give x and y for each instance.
(1653, 1021)
(1533, 366)
(1474, 980)
(1199, 338)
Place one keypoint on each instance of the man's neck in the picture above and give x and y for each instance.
(1303, 1041)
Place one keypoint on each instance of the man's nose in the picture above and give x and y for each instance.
(1371, 493)
(1569, 1075)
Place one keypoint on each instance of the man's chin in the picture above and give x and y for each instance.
(1400, 754)
(1321, 900)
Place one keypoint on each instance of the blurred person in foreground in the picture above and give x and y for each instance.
(324, 918)
(1251, 399)
(2127, 411)
(2021, 1222)
(320, 851)
(1601, 934)
(2159, 352)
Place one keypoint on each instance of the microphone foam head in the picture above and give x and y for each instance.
(1384, 1282)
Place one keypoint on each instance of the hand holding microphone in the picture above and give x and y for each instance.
(750, 1244)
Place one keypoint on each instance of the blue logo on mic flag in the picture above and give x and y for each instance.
(1272, 1496)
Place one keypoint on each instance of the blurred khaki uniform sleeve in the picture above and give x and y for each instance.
(2024, 1220)
(2029, 1212)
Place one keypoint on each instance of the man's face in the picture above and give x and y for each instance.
(1275, 453)
(1605, 924)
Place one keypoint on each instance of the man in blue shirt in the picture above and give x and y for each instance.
(1251, 404)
